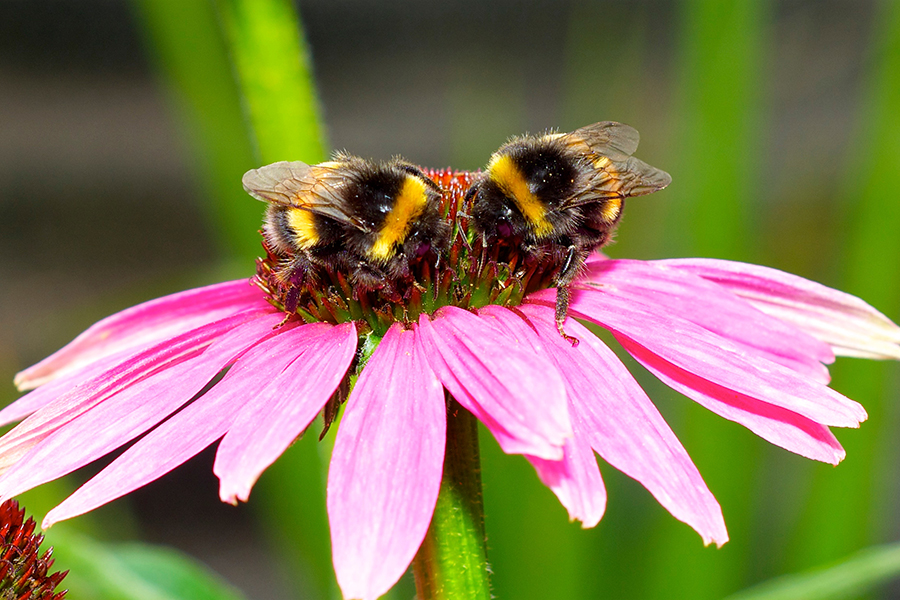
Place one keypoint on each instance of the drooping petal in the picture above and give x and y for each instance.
(499, 379)
(277, 414)
(780, 426)
(187, 432)
(386, 467)
(850, 325)
(148, 363)
(714, 358)
(626, 429)
(120, 419)
(715, 308)
(575, 479)
(143, 325)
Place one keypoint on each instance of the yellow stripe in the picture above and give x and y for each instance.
(611, 208)
(506, 174)
(408, 205)
(303, 224)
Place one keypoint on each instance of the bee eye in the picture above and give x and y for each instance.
(504, 229)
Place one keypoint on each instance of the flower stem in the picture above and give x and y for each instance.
(452, 561)
(272, 65)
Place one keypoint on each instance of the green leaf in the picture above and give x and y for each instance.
(849, 578)
(132, 571)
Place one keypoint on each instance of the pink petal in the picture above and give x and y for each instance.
(34, 401)
(697, 350)
(848, 324)
(575, 479)
(499, 379)
(780, 426)
(624, 427)
(142, 325)
(187, 432)
(279, 412)
(715, 308)
(86, 394)
(118, 420)
(386, 467)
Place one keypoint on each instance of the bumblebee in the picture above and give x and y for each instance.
(370, 221)
(559, 196)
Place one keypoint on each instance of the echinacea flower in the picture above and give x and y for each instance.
(747, 342)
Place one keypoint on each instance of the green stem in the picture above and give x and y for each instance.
(452, 561)
(272, 65)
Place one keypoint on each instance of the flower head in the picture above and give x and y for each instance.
(252, 370)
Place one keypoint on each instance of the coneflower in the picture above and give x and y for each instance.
(747, 342)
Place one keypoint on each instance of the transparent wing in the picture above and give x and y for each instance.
(621, 179)
(606, 137)
(616, 174)
(316, 188)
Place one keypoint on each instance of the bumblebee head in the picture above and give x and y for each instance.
(523, 187)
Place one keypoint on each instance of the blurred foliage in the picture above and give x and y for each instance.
(191, 54)
(848, 578)
(131, 571)
(852, 507)
(707, 119)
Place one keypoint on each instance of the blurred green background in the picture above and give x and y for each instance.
(122, 144)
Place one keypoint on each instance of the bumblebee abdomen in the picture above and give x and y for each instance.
(290, 229)
(302, 225)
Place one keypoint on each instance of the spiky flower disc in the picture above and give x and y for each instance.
(24, 571)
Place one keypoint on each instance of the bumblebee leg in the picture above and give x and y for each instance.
(571, 265)
(567, 272)
(367, 278)
(562, 311)
(295, 275)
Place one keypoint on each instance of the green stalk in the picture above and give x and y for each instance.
(272, 64)
(452, 561)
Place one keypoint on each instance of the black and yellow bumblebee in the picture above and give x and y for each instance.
(368, 220)
(558, 197)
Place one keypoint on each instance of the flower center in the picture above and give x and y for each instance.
(467, 273)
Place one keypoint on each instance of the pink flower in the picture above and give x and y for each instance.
(747, 342)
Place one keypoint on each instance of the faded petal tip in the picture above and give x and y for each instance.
(848, 324)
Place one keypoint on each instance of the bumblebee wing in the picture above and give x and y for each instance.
(620, 179)
(606, 137)
(608, 146)
(315, 188)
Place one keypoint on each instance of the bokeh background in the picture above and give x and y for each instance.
(121, 151)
